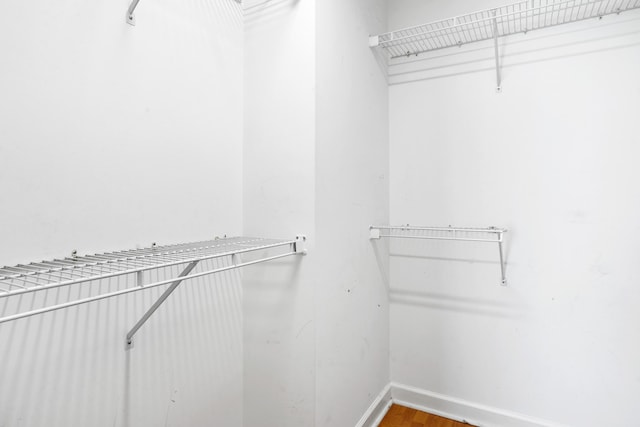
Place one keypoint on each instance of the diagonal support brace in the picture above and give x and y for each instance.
(159, 302)
(497, 52)
(502, 266)
(131, 19)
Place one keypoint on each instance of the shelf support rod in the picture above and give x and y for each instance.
(497, 52)
(131, 19)
(502, 266)
(159, 302)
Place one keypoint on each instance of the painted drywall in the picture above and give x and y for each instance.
(352, 176)
(552, 159)
(316, 329)
(116, 136)
(112, 137)
(279, 201)
(71, 368)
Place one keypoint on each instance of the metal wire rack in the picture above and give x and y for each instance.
(46, 275)
(466, 234)
(131, 18)
(514, 18)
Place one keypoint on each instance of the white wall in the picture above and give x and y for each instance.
(114, 137)
(279, 201)
(316, 329)
(352, 176)
(553, 159)
(70, 367)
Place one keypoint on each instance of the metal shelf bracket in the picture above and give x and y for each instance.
(158, 303)
(497, 52)
(488, 235)
(131, 19)
(374, 233)
(299, 245)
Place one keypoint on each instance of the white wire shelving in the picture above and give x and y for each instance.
(85, 270)
(514, 18)
(465, 234)
(131, 17)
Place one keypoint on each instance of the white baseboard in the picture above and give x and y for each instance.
(461, 410)
(377, 410)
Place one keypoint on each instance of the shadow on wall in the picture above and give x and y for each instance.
(565, 41)
(461, 277)
(457, 304)
(204, 12)
(70, 367)
(381, 252)
(254, 10)
(281, 275)
(382, 60)
(429, 250)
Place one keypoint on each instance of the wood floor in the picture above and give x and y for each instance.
(399, 416)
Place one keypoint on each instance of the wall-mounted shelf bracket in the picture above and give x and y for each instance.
(488, 235)
(497, 52)
(299, 245)
(131, 18)
(374, 232)
(159, 302)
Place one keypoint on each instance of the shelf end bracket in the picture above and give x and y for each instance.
(158, 303)
(374, 233)
(299, 246)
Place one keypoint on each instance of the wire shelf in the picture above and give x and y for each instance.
(465, 234)
(77, 270)
(514, 18)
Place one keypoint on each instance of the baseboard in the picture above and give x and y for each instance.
(377, 410)
(461, 410)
